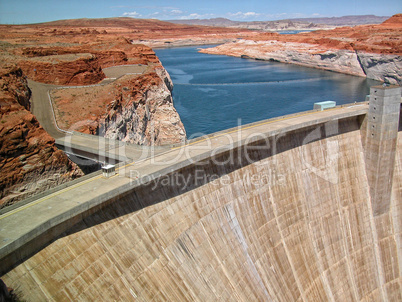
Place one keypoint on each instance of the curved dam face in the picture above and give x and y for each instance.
(284, 218)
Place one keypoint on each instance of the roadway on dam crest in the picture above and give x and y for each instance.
(62, 208)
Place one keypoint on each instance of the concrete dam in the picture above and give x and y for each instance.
(305, 207)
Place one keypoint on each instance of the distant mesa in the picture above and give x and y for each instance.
(289, 23)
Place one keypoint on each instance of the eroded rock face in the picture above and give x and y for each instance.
(68, 69)
(14, 88)
(29, 161)
(386, 68)
(149, 117)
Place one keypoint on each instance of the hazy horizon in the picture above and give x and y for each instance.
(30, 12)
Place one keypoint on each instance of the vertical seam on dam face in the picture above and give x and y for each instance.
(323, 276)
(380, 274)
(301, 234)
(299, 286)
(217, 257)
(397, 192)
(345, 247)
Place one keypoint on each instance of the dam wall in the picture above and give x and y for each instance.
(285, 216)
(262, 225)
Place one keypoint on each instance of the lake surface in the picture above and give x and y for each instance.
(213, 93)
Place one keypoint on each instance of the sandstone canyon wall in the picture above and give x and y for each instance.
(149, 118)
(68, 69)
(29, 161)
(382, 67)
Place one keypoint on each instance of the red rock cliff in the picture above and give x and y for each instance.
(29, 161)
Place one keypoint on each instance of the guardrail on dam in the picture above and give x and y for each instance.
(304, 208)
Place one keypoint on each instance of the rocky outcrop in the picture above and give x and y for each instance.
(394, 21)
(68, 69)
(119, 52)
(149, 117)
(14, 91)
(76, 64)
(29, 161)
(381, 67)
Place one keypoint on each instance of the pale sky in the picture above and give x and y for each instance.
(34, 11)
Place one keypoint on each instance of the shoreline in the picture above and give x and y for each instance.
(381, 67)
(169, 43)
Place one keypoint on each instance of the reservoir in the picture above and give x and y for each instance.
(213, 93)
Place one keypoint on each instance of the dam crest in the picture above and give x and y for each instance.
(305, 207)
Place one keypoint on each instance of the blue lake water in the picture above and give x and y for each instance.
(213, 93)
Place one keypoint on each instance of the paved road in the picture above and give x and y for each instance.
(41, 107)
(118, 71)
